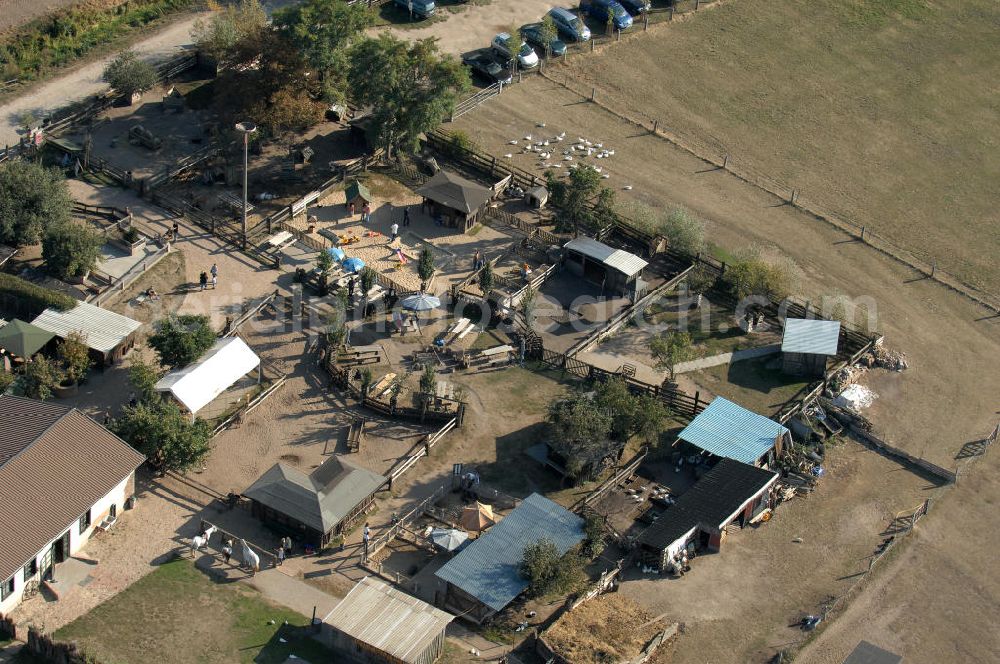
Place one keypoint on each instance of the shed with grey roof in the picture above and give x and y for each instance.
(314, 508)
(615, 270)
(454, 201)
(728, 430)
(108, 335)
(807, 344)
(484, 578)
(378, 623)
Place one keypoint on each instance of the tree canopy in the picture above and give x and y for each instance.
(547, 572)
(182, 340)
(219, 35)
(425, 265)
(128, 74)
(71, 250)
(580, 200)
(161, 431)
(32, 198)
(411, 87)
(751, 275)
(684, 232)
(670, 349)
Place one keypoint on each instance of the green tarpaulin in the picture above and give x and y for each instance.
(23, 339)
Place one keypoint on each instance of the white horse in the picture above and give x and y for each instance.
(199, 541)
(250, 559)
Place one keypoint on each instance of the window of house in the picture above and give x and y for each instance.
(84, 522)
(114, 510)
(31, 569)
(7, 589)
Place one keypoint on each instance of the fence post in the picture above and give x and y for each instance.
(593, 42)
(697, 4)
(725, 162)
(670, 16)
(656, 123)
(593, 94)
(618, 37)
(862, 233)
(645, 21)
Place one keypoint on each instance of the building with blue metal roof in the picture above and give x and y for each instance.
(728, 430)
(807, 343)
(484, 578)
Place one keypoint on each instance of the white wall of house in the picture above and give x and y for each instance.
(77, 540)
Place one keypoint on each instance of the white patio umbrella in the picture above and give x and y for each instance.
(421, 302)
(448, 539)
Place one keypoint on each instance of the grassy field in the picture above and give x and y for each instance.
(755, 384)
(179, 614)
(882, 111)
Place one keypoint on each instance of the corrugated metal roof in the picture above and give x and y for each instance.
(320, 500)
(103, 330)
(810, 335)
(728, 430)
(619, 259)
(487, 569)
(388, 619)
(63, 462)
(198, 384)
(710, 502)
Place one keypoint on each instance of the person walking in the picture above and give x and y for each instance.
(394, 230)
(287, 543)
(227, 550)
(281, 556)
(365, 538)
(350, 210)
(475, 261)
(203, 280)
(366, 213)
(215, 270)
(406, 217)
(215, 281)
(350, 288)
(177, 231)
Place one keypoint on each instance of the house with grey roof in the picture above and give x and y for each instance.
(807, 344)
(617, 271)
(314, 508)
(454, 201)
(725, 429)
(485, 576)
(63, 477)
(378, 623)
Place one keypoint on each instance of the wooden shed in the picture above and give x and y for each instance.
(378, 624)
(807, 344)
(108, 335)
(615, 270)
(453, 201)
(358, 195)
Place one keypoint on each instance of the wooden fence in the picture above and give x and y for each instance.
(419, 451)
(130, 276)
(233, 327)
(473, 101)
(380, 542)
(615, 480)
(249, 407)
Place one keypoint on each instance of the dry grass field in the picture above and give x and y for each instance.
(883, 112)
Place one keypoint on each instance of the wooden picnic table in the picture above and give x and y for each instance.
(278, 239)
(497, 350)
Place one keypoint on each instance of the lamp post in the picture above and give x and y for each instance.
(245, 128)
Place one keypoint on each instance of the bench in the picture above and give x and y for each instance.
(497, 350)
(355, 434)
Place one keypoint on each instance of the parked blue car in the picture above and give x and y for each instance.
(599, 10)
(636, 7)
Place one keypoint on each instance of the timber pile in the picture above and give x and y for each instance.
(884, 358)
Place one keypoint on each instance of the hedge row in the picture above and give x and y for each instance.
(26, 296)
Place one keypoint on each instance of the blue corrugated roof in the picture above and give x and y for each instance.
(488, 568)
(810, 335)
(728, 430)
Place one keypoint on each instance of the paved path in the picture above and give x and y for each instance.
(726, 358)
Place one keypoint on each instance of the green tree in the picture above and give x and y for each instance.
(593, 528)
(572, 196)
(322, 30)
(411, 88)
(32, 198)
(580, 433)
(39, 376)
(428, 379)
(324, 262)
(219, 36)
(425, 265)
(609, 23)
(528, 306)
(128, 75)
(71, 250)
(548, 33)
(751, 275)
(144, 377)
(670, 349)
(181, 340)
(368, 279)
(486, 279)
(161, 431)
(684, 232)
(547, 572)
(6, 380)
(75, 357)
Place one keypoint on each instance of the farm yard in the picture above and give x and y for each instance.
(508, 390)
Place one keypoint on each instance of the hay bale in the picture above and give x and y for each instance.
(609, 628)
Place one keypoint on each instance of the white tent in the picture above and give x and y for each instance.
(197, 385)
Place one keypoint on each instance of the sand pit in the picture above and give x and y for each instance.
(610, 628)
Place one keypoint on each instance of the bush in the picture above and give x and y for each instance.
(30, 298)
(751, 275)
(75, 357)
(684, 232)
(161, 431)
(128, 75)
(70, 250)
(38, 377)
(182, 340)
